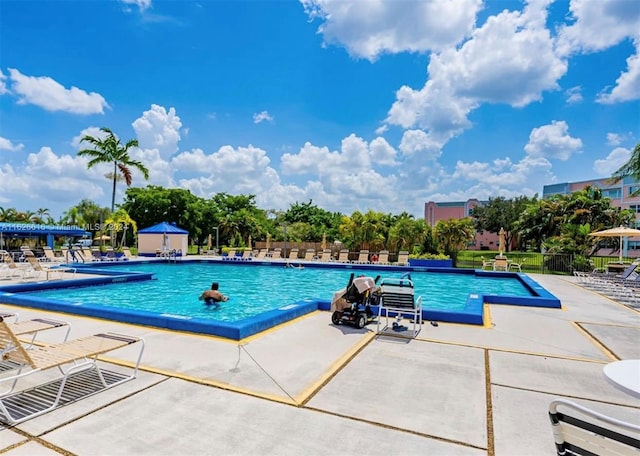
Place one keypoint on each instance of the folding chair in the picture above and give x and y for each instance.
(397, 299)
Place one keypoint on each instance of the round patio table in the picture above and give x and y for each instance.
(625, 375)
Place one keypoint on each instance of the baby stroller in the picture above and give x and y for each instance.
(352, 305)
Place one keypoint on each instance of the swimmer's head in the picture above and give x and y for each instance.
(214, 286)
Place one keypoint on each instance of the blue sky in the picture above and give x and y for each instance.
(354, 104)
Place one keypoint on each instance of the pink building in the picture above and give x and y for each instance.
(434, 212)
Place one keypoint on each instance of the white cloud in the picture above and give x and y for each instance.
(142, 4)
(3, 84)
(6, 144)
(368, 29)
(598, 25)
(414, 141)
(614, 139)
(52, 96)
(382, 153)
(616, 158)
(159, 129)
(510, 60)
(552, 141)
(627, 86)
(261, 117)
(574, 95)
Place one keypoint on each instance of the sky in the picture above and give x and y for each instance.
(362, 105)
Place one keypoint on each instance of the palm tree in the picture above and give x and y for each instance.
(111, 150)
(630, 168)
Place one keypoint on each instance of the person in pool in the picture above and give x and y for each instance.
(213, 297)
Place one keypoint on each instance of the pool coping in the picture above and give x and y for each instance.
(472, 313)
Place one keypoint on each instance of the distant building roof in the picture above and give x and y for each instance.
(164, 227)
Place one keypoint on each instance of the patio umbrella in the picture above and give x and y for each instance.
(324, 241)
(501, 242)
(249, 243)
(621, 232)
(209, 242)
(268, 241)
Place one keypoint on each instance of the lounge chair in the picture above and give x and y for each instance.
(70, 357)
(277, 254)
(310, 255)
(403, 258)
(33, 327)
(383, 258)
(363, 257)
(397, 299)
(293, 254)
(574, 433)
(262, 254)
(126, 253)
(11, 270)
(231, 255)
(247, 255)
(343, 256)
(49, 272)
(50, 255)
(326, 255)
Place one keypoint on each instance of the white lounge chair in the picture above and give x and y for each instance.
(576, 433)
(70, 357)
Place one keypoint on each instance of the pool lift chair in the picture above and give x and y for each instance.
(397, 300)
(359, 296)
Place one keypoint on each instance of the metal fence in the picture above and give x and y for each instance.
(542, 263)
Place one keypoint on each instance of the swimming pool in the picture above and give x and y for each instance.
(255, 290)
(262, 294)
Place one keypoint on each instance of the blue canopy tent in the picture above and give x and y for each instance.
(9, 230)
(162, 237)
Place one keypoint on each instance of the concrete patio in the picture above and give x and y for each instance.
(309, 387)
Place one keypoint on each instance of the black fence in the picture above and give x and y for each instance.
(542, 263)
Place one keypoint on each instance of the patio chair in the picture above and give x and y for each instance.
(500, 264)
(383, 257)
(262, 254)
(363, 257)
(310, 255)
(575, 435)
(50, 255)
(70, 357)
(126, 253)
(247, 255)
(293, 254)
(403, 258)
(11, 270)
(50, 272)
(487, 264)
(277, 254)
(517, 265)
(326, 255)
(343, 256)
(32, 328)
(397, 299)
(231, 255)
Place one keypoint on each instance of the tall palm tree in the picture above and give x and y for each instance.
(630, 168)
(111, 150)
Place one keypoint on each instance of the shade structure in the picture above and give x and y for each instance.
(268, 241)
(209, 243)
(249, 243)
(324, 241)
(619, 232)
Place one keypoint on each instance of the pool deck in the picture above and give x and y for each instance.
(309, 387)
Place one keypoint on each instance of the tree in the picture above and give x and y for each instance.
(453, 235)
(120, 221)
(500, 213)
(111, 150)
(630, 168)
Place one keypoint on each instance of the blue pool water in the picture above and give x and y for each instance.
(257, 289)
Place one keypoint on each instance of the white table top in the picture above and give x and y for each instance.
(624, 375)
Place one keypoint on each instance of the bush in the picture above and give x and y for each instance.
(430, 256)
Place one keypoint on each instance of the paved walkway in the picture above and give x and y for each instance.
(309, 387)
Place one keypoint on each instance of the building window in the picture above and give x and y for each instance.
(633, 189)
(635, 208)
(613, 193)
